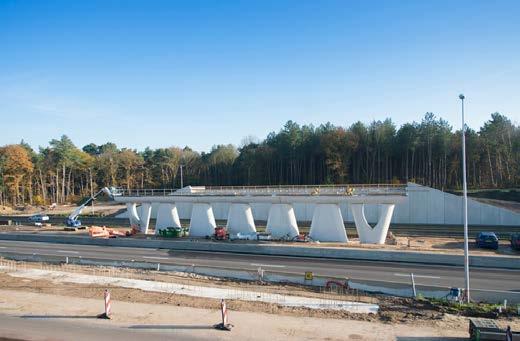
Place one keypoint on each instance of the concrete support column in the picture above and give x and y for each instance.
(327, 224)
(281, 222)
(377, 234)
(240, 219)
(167, 216)
(202, 221)
(131, 209)
(144, 218)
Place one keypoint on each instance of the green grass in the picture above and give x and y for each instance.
(468, 309)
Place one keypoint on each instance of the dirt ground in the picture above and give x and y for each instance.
(100, 209)
(437, 244)
(181, 322)
(393, 310)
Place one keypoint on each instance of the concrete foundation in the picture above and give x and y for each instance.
(240, 219)
(327, 224)
(202, 223)
(368, 234)
(144, 219)
(167, 216)
(281, 222)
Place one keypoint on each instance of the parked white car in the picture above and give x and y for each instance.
(38, 218)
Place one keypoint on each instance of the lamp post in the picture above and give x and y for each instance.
(182, 180)
(465, 193)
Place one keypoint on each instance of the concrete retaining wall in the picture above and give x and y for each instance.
(503, 262)
(426, 205)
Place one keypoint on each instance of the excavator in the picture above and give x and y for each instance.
(72, 220)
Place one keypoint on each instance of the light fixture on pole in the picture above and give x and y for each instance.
(465, 212)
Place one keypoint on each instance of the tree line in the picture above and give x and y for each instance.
(426, 152)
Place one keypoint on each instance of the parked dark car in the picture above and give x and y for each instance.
(515, 241)
(487, 240)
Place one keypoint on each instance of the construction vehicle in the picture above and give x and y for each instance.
(302, 238)
(220, 233)
(72, 220)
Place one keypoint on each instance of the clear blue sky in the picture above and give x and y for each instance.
(198, 73)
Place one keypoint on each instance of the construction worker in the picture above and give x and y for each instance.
(509, 334)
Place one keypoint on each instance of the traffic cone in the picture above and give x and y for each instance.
(224, 325)
(108, 312)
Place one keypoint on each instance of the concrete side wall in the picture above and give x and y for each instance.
(425, 205)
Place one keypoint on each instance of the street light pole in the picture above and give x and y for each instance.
(182, 182)
(465, 193)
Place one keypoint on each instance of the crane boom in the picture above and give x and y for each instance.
(72, 220)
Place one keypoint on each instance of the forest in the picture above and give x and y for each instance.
(426, 152)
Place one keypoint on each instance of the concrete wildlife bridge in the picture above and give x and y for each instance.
(327, 221)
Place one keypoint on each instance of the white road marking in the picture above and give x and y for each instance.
(155, 257)
(3, 247)
(500, 291)
(67, 251)
(417, 276)
(268, 265)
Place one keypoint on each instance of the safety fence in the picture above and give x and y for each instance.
(334, 297)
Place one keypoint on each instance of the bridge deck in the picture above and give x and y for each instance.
(302, 190)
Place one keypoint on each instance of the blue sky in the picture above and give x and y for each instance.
(199, 73)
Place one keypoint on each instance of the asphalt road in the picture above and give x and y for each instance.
(85, 328)
(445, 276)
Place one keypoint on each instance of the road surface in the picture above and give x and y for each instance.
(444, 276)
(86, 328)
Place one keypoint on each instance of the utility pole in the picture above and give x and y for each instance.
(465, 213)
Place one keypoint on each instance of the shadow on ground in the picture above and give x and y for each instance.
(430, 338)
(451, 246)
(170, 326)
(58, 317)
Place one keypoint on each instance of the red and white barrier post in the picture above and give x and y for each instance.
(108, 307)
(224, 312)
(224, 325)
